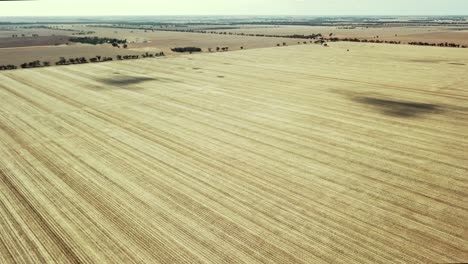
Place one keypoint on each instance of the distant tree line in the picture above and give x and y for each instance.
(303, 36)
(64, 61)
(35, 64)
(96, 40)
(187, 49)
(8, 67)
(84, 33)
(297, 36)
(79, 60)
(127, 57)
(322, 39)
(48, 27)
(23, 35)
(445, 44)
(335, 39)
(151, 55)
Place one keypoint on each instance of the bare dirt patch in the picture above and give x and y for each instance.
(33, 41)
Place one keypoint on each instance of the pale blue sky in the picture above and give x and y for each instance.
(234, 7)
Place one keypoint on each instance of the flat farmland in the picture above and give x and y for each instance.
(12, 52)
(405, 34)
(165, 40)
(19, 55)
(299, 154)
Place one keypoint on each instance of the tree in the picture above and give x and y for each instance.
(98, 58)
(62, 61)
(186, 49)
(46, 64)
(31, 64)
(242, 48)
(217, 48)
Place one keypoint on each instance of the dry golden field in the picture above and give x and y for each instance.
(52, 43)
(299, 154)
(140, 42)
(140, 39)
(405, 34)
(19, 55)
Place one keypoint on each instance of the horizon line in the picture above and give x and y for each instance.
(272, 15)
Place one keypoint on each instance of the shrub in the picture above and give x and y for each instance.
(96, 40)
(187, 49)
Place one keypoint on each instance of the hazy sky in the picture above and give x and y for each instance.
(233, 7)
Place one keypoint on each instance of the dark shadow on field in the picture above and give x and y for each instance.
(125, 80)
(427, 61)
(399, 108)
(128, 82)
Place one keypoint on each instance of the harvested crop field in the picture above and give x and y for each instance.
(432, 34)
(52, 54)
(30, 41)
(299, 154)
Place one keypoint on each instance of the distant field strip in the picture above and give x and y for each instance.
(299, 154)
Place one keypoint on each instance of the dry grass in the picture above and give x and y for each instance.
(19, 55)
(149, 41)
(140, 42)
(298, 154)
(140, 39)
(431, 34)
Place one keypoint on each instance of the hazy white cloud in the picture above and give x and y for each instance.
(231, 7)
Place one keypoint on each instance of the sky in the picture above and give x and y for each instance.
(232, 7)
